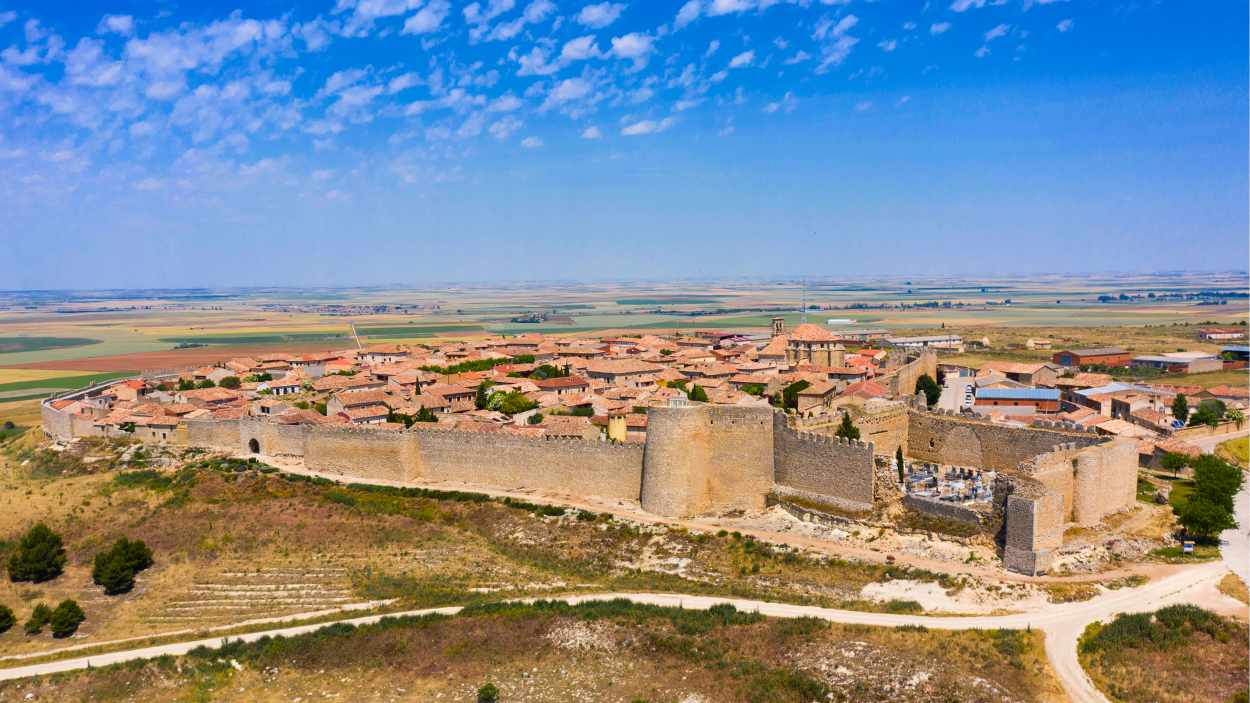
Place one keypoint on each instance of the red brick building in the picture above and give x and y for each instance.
(1102, 356)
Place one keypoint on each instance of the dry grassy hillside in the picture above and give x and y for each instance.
(599, 652)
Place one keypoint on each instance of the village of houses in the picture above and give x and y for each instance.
(589, 388)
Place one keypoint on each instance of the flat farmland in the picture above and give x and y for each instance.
(136, 331)
(172, 358)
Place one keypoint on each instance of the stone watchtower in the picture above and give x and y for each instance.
(703, 458)
(779, 326)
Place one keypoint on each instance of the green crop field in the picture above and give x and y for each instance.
(275, 338)
(11, 345)
(415, 331)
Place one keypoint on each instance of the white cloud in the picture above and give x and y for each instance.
(592, 132)
(341, 79)
(939, 28)
(634, 46)
(965, 5)
(566, 91)
(641, 95)
(143, 128)
(116, 24)
(799, 57)
(531, 142)
(7, 17)
(746, 58)
(902, 100)
(726, 7)
(535, 63)
(87, 65)
(834, 54)
(1064, 25)
(505, 127)
(428, 19)
(402, 82)
(687, 14)
(505, 103)
(712, 46)
(863, 106)
(580, 49)
(888, 45)
(982, 52)
(600, 15)
(787, 104)
(643, 127)
(997, 31)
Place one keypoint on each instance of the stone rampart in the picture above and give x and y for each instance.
(959, 440)
(567, 466)
(703, 458)
(902, 381)
(1032, 523)
(823, 467)
(220, 435)
(360, 453)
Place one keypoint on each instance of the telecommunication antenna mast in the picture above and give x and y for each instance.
(803, 298)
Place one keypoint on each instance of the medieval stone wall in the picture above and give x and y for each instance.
(567, 466)
(822, 467)
(359, 453)
(885, 426)
(1032, 523)
(902, 381)
(221, 435)
(687, 472)
(952, 438)
(1105, 481)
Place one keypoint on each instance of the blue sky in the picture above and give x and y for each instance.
(413, 141)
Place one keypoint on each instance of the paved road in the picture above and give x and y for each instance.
(1061, 623)
(1209, 443)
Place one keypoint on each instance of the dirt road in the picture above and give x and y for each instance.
(1061, 623)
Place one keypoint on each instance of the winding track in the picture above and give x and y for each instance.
(1062, 624)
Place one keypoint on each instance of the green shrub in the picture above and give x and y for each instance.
(38, 619)
(7, 619)
(115, 569)
(1161, 630)
(40, 556)
(488, 693)
(66, 619)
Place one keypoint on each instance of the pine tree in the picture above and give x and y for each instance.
(847, 430)
(1180, 407)
(40, 556)
(898, 459)
(65, 619)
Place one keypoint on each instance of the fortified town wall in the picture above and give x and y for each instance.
(961, 440)
(823, 467)
(707, 458)
(901, 382)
